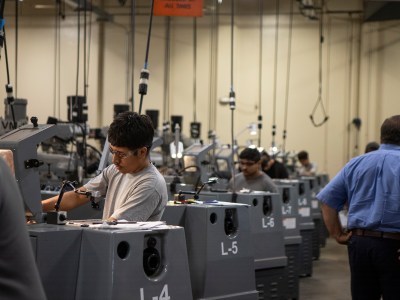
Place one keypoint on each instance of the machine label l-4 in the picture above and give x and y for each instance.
(163, 295)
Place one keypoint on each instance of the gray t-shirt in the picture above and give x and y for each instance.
(138, 196)
(260, 183)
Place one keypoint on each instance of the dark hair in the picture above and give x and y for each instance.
(251, 154)
(302, 155)
(390, 131)
(266, 155)
(131, 130)
(371, 146)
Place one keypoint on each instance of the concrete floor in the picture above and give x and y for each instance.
(331, 275)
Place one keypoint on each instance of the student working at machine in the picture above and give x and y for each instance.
(272, 167)
(307, 167)
(251, 176)
(133, 188)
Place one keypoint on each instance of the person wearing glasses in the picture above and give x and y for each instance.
(133, 188)
(251, 176)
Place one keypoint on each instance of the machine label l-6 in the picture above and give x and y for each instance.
(268, 222)
(226, 250)
(163, 295)
(302, 201)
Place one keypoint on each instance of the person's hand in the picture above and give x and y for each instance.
(343, 237)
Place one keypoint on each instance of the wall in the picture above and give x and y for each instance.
(359, 75)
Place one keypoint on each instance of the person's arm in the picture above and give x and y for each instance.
(69, 201)
(332, 222)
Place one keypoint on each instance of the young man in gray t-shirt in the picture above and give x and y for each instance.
(133, 188)
(251, 176)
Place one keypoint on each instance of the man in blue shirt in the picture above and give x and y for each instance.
(369, 185)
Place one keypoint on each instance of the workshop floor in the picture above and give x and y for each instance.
(331, 275)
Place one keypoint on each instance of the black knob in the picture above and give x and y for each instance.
(34, 121)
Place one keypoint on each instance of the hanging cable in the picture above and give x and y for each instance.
(166, 74)
(144, 74)
(232, 99)
(77, 56)
(16, 48)
(319, 99)
(57, 16)
(9, 89)
(261, 8)
(85, 86)
(289, 56)
(275, 74)
(88, 43)
(132, 47)
(213, 48)
(194, 67)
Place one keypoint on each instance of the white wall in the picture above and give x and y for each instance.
(360, 78)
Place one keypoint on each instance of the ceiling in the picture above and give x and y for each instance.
(108, 9)
(111, 8)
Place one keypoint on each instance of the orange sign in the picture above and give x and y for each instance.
(182, 8)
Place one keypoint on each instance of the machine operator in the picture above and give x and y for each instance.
(133, 188)
(251, 176)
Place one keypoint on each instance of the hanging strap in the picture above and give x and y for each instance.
(319, 99)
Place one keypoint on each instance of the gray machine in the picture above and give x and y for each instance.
(18, 108)
(223, 163)
(56, 249)
(220, 248)
(291, 223)
(195, 163)
(80, 262)
(306, 224)
(175, 184)
(23, 143)
(267, 232)
(319, 231)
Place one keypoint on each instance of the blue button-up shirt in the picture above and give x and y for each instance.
(370, 183)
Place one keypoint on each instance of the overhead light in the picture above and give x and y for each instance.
(43, 6)
(176, 150)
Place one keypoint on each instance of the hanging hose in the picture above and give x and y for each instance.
(319, 99)
(132, 47)
(232, 99)
(275, 74)
(166, 76)
(144, 74)
(261, 7)
(16, 48)
(57, 61)
(289, 56)
(194, 68)
(9, 89)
